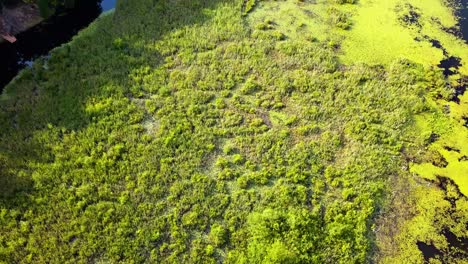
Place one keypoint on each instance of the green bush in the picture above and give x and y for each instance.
(339, 18)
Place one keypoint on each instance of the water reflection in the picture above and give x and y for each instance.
(463, 14)
(39, 40)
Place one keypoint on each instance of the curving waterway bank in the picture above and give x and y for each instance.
(463, 15)
(40, 39)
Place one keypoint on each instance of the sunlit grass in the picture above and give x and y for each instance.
(206, 131)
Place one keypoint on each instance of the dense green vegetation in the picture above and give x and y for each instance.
(432, 211)
(217, 131)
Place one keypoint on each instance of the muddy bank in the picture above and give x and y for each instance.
(38, 40)
(19, 18)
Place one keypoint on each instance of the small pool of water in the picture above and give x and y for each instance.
(463, 14)
(107, 5)
(39, 40)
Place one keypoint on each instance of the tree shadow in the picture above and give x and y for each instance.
(40, 39)
(56, 92)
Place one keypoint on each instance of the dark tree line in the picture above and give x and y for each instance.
(46, 7)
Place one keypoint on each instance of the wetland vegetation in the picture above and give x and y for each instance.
(232, 131)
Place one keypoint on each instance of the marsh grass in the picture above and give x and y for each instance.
(182, 132)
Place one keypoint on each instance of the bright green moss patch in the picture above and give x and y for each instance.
(382, 32)
(379, 34)
(426, 213)
(449, 155)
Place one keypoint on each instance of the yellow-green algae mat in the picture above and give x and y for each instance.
(378, 36)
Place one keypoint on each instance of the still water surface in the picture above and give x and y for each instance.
(39, 40)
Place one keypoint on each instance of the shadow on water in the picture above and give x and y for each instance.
(53, 32)
(461, 12)
(450, 65)
(429, 251)
(457, 246)
(463, 15)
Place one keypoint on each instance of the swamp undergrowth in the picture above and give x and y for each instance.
(213, 131)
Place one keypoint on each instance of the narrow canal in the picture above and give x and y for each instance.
(51, 33)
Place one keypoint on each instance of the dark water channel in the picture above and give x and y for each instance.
(457, 246)
(51, 33)
(454, 62)
(463, 14)
(451, 64)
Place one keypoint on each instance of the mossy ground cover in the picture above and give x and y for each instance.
(451, 152)
(214, 131)
(383, 31)
(421, 31)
